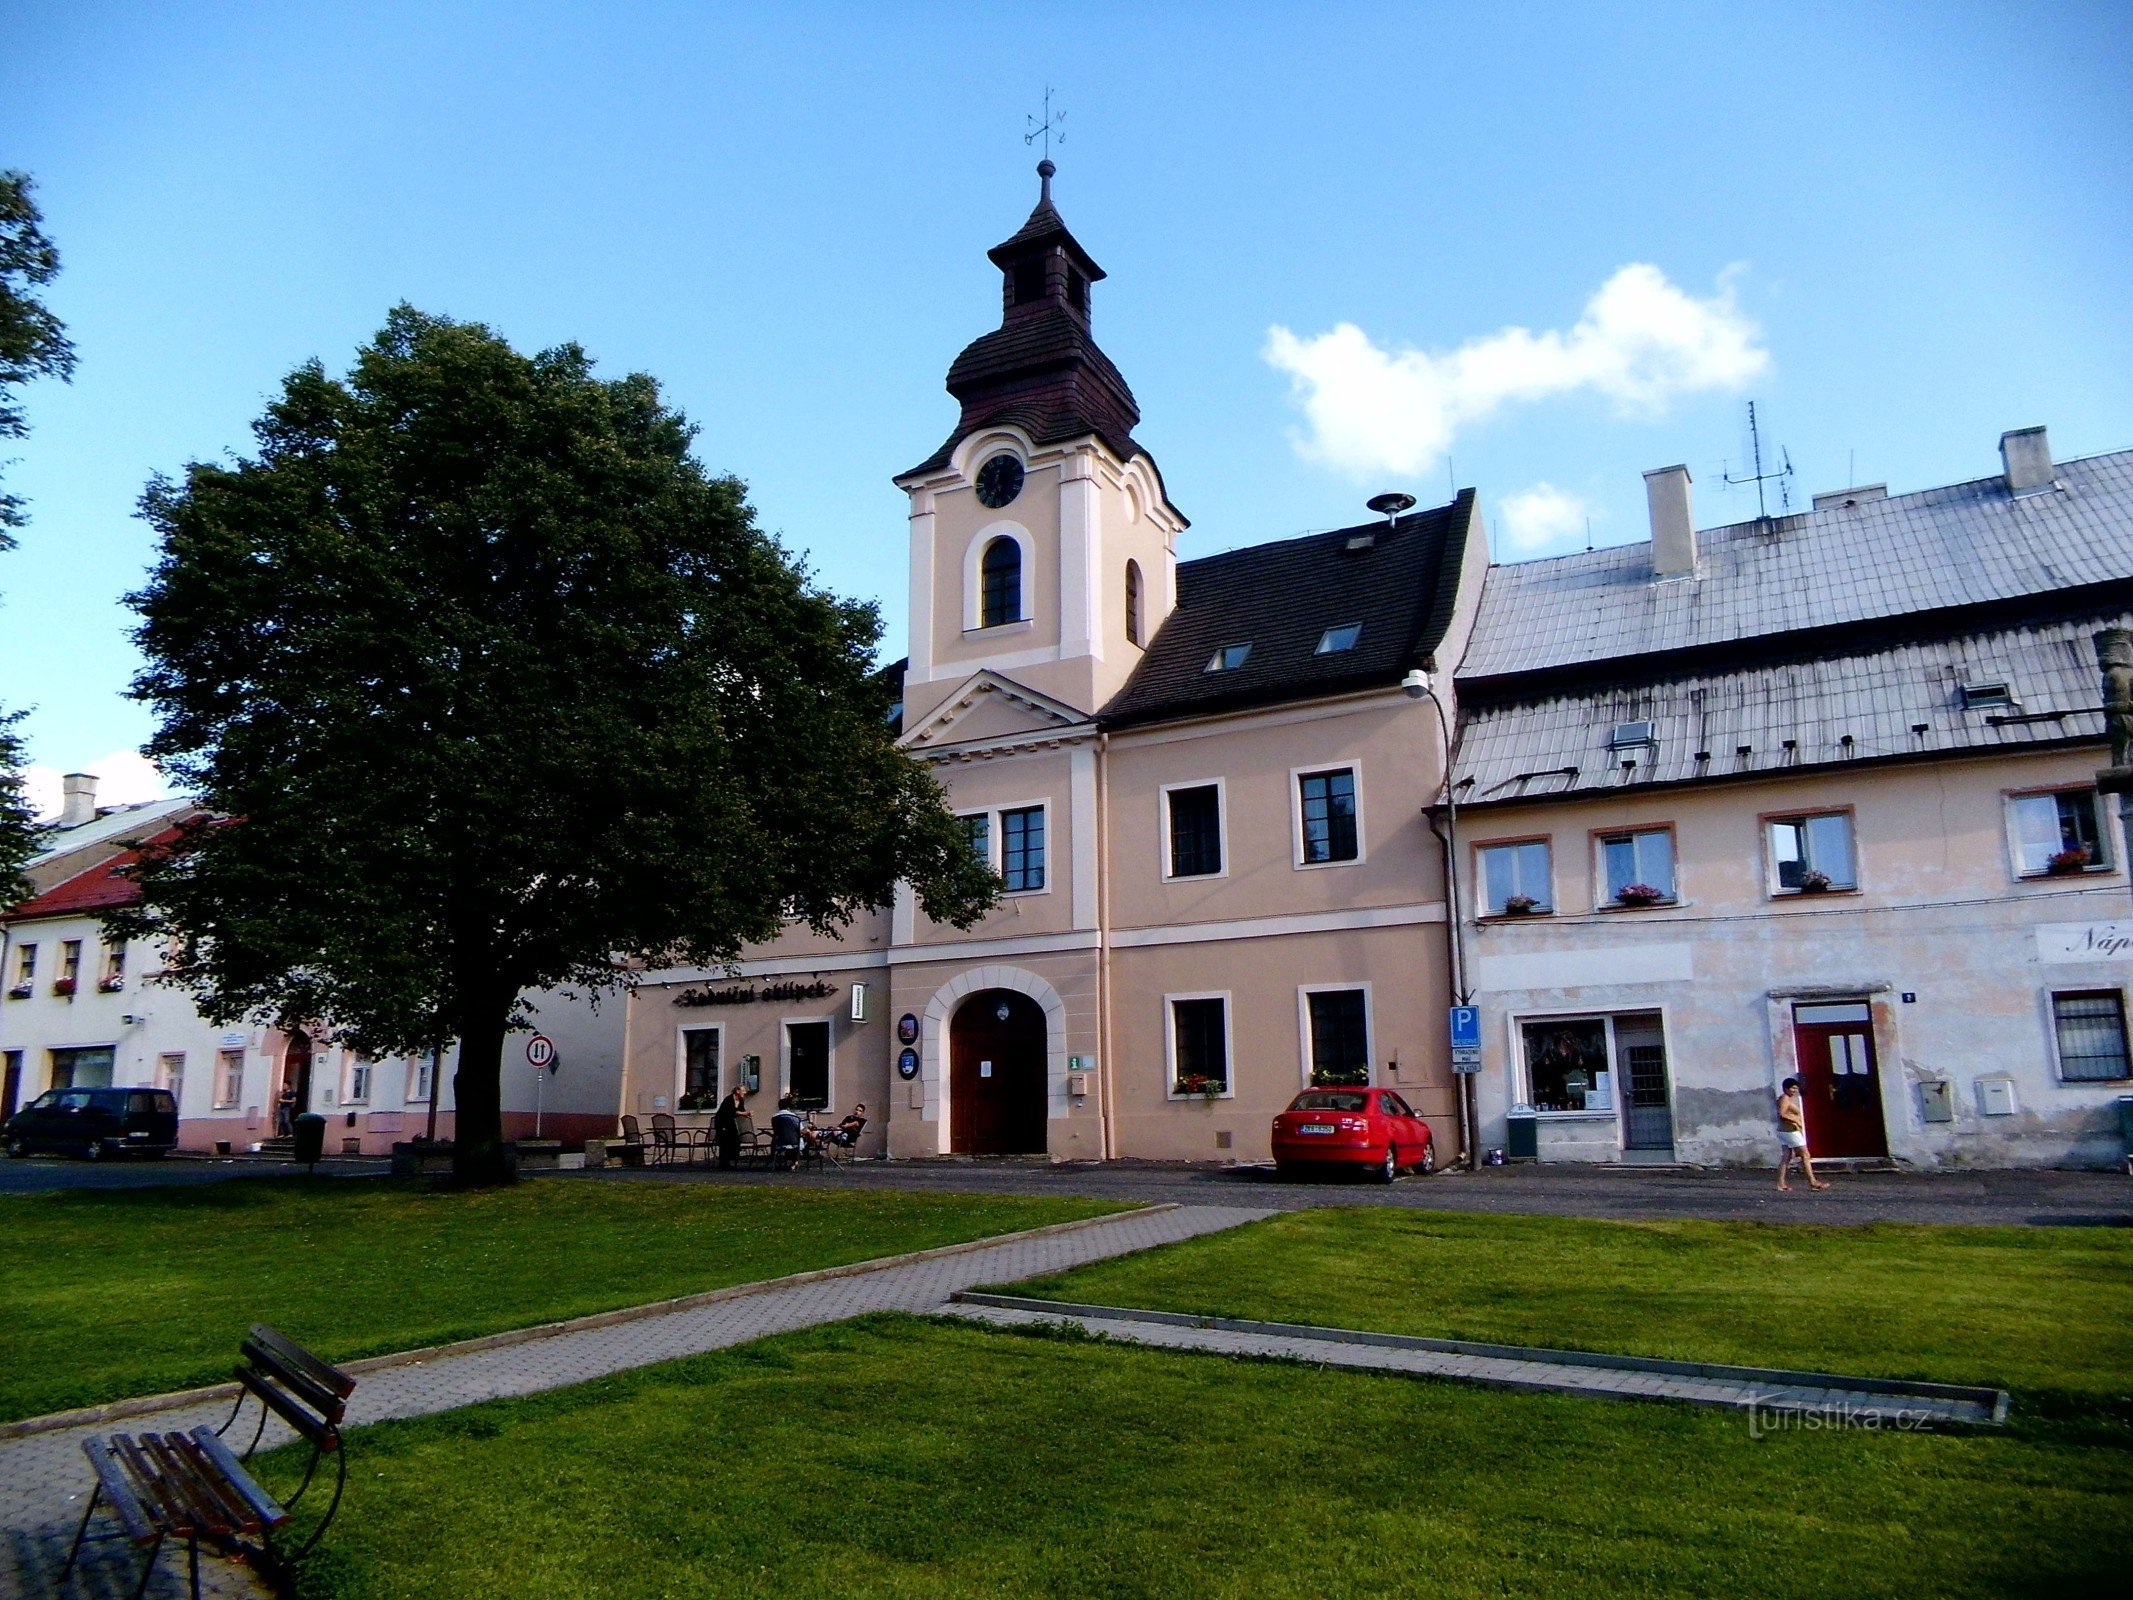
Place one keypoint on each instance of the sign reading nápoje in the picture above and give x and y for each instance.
(2059, 942)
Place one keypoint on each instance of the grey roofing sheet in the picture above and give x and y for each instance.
(1525, 749)
(1960, 545)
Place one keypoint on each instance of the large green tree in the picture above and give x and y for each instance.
(33, 344)
(495, 688)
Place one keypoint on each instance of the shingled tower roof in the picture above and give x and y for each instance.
(1040, 370)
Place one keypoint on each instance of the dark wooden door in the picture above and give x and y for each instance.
(1840, 1081)
(996, 1058)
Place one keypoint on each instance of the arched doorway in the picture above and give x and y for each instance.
(996, 1059)
(293, 1097)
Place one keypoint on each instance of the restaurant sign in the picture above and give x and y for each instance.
(814, 990)
(2084, 941)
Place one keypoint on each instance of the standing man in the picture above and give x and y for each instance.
(726, 1126)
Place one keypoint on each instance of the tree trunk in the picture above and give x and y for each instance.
(479, 1159)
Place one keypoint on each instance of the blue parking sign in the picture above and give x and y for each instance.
(1466, 1027)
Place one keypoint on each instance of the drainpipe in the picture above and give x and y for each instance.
(1418, 686)
(1104, 1075)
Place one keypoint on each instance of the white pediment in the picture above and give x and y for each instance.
(991, 709)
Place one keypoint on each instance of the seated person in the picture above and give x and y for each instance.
(846, 1133)
(788, 1134)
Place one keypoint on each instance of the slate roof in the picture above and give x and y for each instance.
(1792, 716)
(1280, 598)
(1939, 550)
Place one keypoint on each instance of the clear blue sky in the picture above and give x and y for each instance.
(1914, 223)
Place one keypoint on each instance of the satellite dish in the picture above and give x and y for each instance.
(1390, 505)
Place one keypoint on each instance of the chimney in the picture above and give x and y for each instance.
(1666, 489)
(2028, 455)
(79, 802)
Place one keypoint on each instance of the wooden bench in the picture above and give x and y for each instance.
(191, 1486)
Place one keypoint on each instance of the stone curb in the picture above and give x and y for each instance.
(144, 1405)
(1993, 1402)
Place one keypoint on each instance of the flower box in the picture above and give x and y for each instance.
(111, 985)
(1812, 882)
(1521, 905)
(62, 986)
(22, 991)
(2068, 861)
(1641, 894)
(1206, 1088)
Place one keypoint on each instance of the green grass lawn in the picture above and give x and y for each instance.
(110, 1293)
(899, 1457)
(2046, 1313)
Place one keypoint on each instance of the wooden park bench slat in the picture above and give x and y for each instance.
(192, 1486)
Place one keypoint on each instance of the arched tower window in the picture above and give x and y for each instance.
(1001, 574)
(1133, 602)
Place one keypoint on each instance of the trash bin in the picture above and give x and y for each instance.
(1523, 1141)
(310, 1137)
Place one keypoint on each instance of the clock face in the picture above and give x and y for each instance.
(999, 481)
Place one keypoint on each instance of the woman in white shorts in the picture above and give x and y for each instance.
(1792, 1136)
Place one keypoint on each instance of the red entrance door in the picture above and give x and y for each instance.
(1839, 1079)
(996, 1051)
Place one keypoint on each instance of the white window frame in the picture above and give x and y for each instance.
(169, 1076)
(829, 1029)
(1601, 899)
(974, 578)
(1170, 1044)
(1480, 885)
(2107, 862)
(681, 1056)
(1162, 830)
(1521, 1077)
(1304, 991)
(1354, 769)
(2051, 1031)
(417, 1065)
(357, 1074)
(25, 963)
(226, 1080)
(1768, 822)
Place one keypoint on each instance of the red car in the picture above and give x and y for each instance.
(1369, 1128)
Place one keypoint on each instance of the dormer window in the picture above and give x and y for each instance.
(1229, 658)
(1630, 736)
(1335, 640)
(1978, 696)
(1001, 573)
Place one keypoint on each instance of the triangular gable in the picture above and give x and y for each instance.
(991, 708)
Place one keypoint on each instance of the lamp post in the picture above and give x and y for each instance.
(1419, 687)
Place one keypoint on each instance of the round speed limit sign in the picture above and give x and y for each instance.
(540, 1050)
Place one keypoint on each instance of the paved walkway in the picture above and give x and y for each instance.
(1774, 1399)
(43, 1476)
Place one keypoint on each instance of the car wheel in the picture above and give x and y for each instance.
(1428, 1163)
(17, 1148)
(1389, 1168)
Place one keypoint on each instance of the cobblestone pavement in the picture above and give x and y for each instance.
(44, 1477)
(1775, 1399)
(2027, 1198)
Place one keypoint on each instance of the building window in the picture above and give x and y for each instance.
(1022, 849)
(1813, 853)
(699, 1069)
(421, 1078)
(1638, 868)
(1335, 640)
(1028, 279)
(977, 828)
(358, 1081)
(1199, 1045)
(1229, 658)
(1001, 583)
(1133, 603)
(229, 1077)
(1567, 1064)
(1515, 878)
(1195, 831)
(70, 962)
(2091, 1026)
(2057, 832)
(25, 963)
(1326, 810)
(82, 1069)
(1340, 1036)
(807, 1064)
(170, 1074)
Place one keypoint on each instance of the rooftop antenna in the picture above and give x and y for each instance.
(1782, 476)
(1389, 506)
(1048, 129)
(1588, 534)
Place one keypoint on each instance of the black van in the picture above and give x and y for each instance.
(96, 1123)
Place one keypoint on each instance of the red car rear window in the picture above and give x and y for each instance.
(1331, 1100)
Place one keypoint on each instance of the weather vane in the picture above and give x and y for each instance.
(1048, 128)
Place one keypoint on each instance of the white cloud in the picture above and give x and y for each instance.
(1640, 342)
(122, 778)
(1529, 522)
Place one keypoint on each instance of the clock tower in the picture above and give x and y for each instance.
(1043, 545)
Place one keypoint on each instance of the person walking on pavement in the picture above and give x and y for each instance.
(1792, 1136)
(726, 1126)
